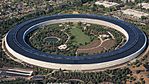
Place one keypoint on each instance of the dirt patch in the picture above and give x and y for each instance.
(91, 51)
(109, 43)
(96, 46)
(91, 48)
(93, 44)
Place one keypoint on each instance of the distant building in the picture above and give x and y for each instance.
(134, 13)
(127, 1)
(61, 47)
(144, 5)
(18, 72)
(106, 3)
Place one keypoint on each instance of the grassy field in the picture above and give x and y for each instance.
(80, 37)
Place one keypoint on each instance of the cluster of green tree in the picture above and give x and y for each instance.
(16, 81)
(118, 76)
(145, 28)
(95, 29)
(38, 40)
(5, 62)
(41, 71)
(21, 81)
(98, 30)
(140, 1)
(118, 36)
(42, 41)
(69, 5)
(7, 24)
(137, 63)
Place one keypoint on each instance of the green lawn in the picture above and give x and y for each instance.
(80, 37)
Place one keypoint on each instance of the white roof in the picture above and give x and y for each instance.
(135, 13)
(144, 5)
(106, 3)
(64, 46)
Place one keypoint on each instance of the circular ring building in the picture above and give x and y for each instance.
(16, 45)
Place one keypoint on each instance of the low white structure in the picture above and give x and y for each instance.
(106, 3)
(62, 47)
(60, 25)
(88, 25)
(144, 5)
(126, 1)
(135, 13)
(104, 36)
(19, 72)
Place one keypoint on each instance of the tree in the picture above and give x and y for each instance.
(143, 17)
(72, 37)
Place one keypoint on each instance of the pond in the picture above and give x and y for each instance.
(51, 39)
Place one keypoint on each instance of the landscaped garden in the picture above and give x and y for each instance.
(75, 39)
(80, 36)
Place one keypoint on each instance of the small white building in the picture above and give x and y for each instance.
(144, 5)
(104, 36)
(88, 25)
(20, 72)
(135, 13)
(106, 3)
(127, 1)
(60, 25)
(62, 47)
